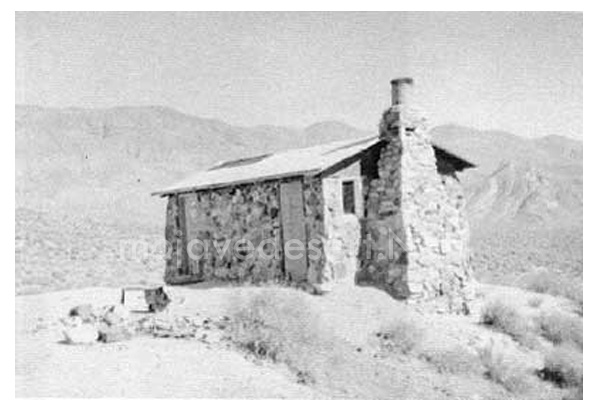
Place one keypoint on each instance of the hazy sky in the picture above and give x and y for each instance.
(519, 72)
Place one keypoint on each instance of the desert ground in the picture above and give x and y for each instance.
(269, 342)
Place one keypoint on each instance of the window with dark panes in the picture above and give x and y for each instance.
(349, 197)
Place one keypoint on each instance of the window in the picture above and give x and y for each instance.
(349, 197)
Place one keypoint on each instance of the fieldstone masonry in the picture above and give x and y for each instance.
(418, 211)
(210, 223)
(342, 238)
(314, 210)
(215, 221)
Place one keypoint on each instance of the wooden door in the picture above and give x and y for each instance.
(294, 231)
(189, 270)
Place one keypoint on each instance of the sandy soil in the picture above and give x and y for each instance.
(153, 367)
(141, 367)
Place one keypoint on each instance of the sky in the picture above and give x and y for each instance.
(517, 72)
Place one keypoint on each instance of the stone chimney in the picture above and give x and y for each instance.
(401, 102)
(401, 89)
(414, 211)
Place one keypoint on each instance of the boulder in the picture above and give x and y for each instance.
(157, 299)
(115, 315)
(83, 333)
(84, 311)
(109, 334)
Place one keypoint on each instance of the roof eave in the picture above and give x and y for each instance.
(205, 187)
(459, 161)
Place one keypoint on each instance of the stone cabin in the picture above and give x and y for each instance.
(385, 211)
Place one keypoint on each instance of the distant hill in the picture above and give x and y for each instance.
(107, 162)
(518, 180)
(525, 202)
(78, 169)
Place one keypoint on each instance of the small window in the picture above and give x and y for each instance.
(349, 197)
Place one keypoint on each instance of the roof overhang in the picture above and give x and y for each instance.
(310, 161)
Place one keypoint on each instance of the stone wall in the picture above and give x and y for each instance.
(174, 270)
(215, 217)
(458, 235)
(250, 212)
(342, 231)
(383, 257)
(411, 206)
(315, 229)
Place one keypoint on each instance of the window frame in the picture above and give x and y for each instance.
(352, 209)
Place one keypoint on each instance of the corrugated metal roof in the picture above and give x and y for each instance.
(310, 160)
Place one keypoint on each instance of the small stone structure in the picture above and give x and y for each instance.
(420, 202)
(385, 211)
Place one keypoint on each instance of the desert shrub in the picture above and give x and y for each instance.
(274, 325)
(504, 369)
(284, 326)
(535, 301)
(561, 328)
(563, 366)
(453, 360)
(574, 394)
(401, 336)
(506, 319)
(579, 308)
(555, 284)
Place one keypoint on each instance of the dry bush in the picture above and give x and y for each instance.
(453, 360)
(506, 319)
(574, 394)
(561, 328)
(579, 310)
(503, 369)
(563, 366)
(274, 325)
(401, 336)
(555, 284)
(535, 301)
(284, 326)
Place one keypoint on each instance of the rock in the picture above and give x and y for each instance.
(109, 334)
(165, 326)
(115, 315)
(71, 321)
(144, 299)
(157, 299)
(84, 333)
(84, 311)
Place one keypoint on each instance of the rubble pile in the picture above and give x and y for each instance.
(86, 324)
(190, 327)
